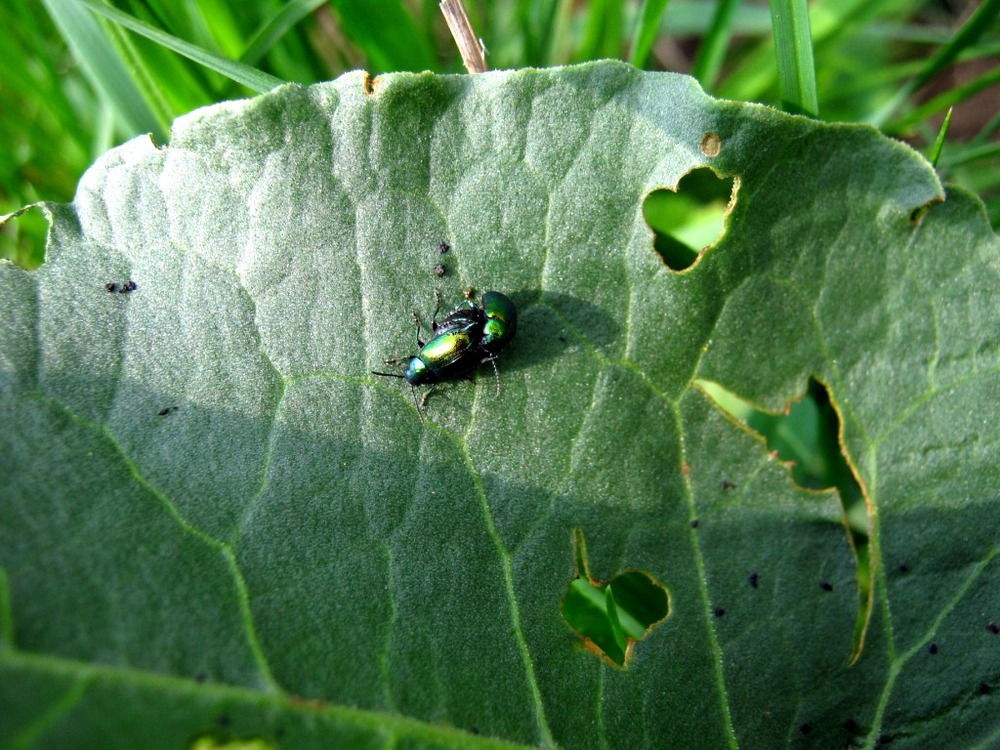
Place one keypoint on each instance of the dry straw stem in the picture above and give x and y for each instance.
(461, 29)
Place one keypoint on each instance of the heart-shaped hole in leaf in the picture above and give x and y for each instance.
(612, 616)
(692, 218)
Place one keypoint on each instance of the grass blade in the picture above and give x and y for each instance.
(966, 36)
(103, 68)
(712, 49)
(939, 142)
(276, 27)
(602, 31)
(793, 48)
(647, 27)
(252, 78)
(949, 98)
(386, 33)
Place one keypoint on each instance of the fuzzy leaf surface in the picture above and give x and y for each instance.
(215, 522)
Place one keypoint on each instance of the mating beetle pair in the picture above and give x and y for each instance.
(470, 335)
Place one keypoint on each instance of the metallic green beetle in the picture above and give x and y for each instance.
(470, 335)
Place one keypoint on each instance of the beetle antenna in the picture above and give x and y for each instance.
(420, 411)
(496, 372)
(387, 375)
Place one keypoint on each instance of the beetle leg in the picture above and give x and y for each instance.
(416, 322)
(437, 309)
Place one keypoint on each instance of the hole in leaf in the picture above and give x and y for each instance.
(208, 742)
(22, 236)
(692, 218)
(806, 436)
(612, 616)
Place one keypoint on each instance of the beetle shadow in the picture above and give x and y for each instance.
(549, 323)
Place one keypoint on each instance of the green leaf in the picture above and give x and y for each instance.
(215, 522)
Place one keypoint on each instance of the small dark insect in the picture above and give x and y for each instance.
(443, 247)
(851, 726)
(440, 270)
(805, 729)
(165, 411)
(754, 579)
(111, 286)
(826, 586)
(932, 649)
(727, 485)
(695, 523)
(984, 688)
(128, 286)
(904, 568)
(993, 628)
(719, 612)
